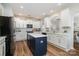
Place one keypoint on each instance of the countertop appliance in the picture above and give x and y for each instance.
(29, 28)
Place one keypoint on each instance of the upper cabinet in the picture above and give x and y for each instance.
(22, 22)
(47, 22)
(65, 17)
(1, 10)
(51, 23)
(58, 22)
(4, 8)
(55, 23)
(66, 21)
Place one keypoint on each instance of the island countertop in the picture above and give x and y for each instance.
(36, 35)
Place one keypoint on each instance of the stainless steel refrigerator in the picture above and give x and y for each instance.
(5, 30)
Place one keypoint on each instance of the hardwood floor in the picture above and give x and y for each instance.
(59, 52)
(56, 51)
(21, 49)
(76, 45)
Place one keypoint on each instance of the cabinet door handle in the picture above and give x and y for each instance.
(41, 41)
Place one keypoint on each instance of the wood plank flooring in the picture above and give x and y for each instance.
(21, 49)
(76, 45)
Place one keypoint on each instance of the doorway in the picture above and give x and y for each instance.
(76, 32)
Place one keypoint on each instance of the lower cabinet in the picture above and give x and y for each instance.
(60, 41)
(63, 42)
(1, 49)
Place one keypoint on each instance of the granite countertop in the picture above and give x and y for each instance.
(36, 35)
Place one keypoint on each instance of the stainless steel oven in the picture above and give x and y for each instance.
(29, 28)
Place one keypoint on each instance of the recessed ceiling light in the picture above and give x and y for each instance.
(43, 13)
(21, 7)
(51, 11)
(59, 4)
(20, 13)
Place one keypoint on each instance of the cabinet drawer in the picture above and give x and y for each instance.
(63, 43)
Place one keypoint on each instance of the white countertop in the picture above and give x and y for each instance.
(36, 35)
(57, 33)
(2, 37)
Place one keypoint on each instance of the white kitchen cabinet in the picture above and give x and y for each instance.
(49, 37)
(59, 40)
(54, 39)
(63, 42)
(65, 17)
(20, 35)
(2, 46)
(1, 49)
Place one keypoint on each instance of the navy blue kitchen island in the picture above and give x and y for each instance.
(37, 43)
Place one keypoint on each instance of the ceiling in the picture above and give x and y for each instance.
(37, 9)
(34, 9)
